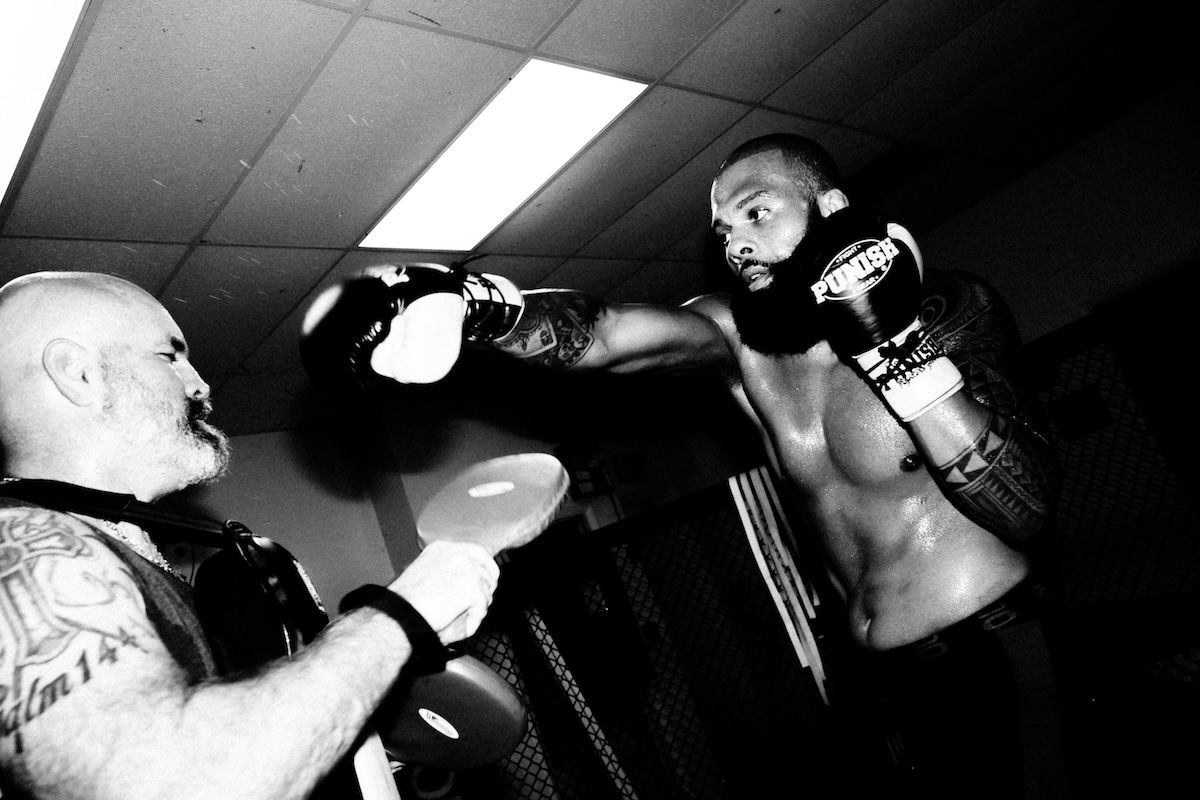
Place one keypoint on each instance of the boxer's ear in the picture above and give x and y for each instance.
(831, 201)
(74, 370)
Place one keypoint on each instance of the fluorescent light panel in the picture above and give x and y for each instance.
(541, 119)
(33, 37)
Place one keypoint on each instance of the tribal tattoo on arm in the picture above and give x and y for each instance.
(557, 328)
(1007, 479)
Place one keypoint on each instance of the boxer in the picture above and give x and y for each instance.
(890, 405)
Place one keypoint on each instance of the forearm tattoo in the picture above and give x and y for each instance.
(51, 594)
(556, 330)
(1001, 480)
(1008, 478)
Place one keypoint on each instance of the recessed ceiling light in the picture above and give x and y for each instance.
(538, 122)
(33, 38)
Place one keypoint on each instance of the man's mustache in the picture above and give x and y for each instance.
(198, 410)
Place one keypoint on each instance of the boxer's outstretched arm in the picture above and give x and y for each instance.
(986, 445)
(406, 323)
(563, 329)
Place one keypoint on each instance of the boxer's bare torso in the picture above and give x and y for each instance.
(908, 562)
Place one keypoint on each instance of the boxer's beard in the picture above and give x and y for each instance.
(780, 319)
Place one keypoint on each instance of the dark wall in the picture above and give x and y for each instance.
(1116, 384)
(1125, 545)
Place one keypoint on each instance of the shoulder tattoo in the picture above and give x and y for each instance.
(64, 614)
(974, 328)
(964, 315)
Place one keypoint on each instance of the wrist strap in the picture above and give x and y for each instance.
(494, 307)
(911, 372)
(428, 653)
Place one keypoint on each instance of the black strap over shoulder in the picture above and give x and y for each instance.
(116, 507)
(280, 580)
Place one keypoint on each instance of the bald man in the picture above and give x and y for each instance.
(96, 701)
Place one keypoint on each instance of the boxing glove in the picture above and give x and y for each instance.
(399, 322)
(865, 278)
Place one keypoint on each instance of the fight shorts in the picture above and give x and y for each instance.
(1028, 601)
(974, 710)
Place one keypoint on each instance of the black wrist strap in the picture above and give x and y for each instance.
(428, 653)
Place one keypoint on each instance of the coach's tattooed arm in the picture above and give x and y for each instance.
(73, 633)
(92, 705)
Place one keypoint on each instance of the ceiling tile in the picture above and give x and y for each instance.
(915, 201)
(591, 275)
(1057, 90)
(698, 245)
(660, 132)
(227, 300)
(996, 40)
(871, 55)
(633, 37)
(676, 207)
(146, 264)
(516, 22)
(278, 352)
(657, 282)
(852, 149)
(764, 43)
(708, 273)
(355, 141)
(164, 101)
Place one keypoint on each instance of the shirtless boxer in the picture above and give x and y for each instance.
(887, 402)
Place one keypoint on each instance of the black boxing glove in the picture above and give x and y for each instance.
(865, 278)
(399, 322)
